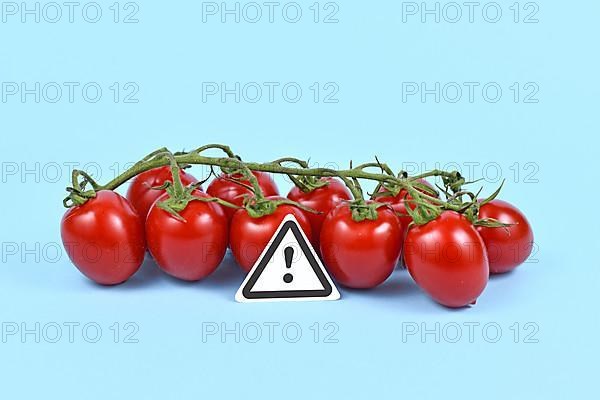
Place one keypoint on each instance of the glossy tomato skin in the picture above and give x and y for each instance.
(397, 204)
(249, 236)
(191, 249)
(361, 254)
(507, 247)
(322, 199)
(447, 259)
(104, 238)
(225, 189)
(140, 192)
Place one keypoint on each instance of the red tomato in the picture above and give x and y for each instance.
(225, 189)
(507, 247)
(140, 192)
(360, 254)
(104, 238)
(249, 236)
(322, 199)
(447, 259)
(397, 203)
(190, 249)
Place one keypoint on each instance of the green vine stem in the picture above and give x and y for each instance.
(305, 183)
(231, 164)
(179, 195)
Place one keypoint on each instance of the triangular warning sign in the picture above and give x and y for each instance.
(287, 270)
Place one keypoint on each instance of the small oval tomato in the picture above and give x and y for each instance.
(507, 247)
(104, 238)
(397, 203)
(192, 248)
(140, 192)
(447, 258)
(226, 189)
(249, 236)
(322, 199)
(361, 254)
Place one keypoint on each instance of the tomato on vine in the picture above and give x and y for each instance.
(141, 193)
(104, 238)
(447, 258)
(360, 254)
(450, 246)
(191, 244)
(233, 188)
(248, 235)
(322, 199)
(509, 246)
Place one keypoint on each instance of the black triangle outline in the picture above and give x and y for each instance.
(278, 294)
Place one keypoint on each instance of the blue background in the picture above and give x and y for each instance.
(368, 54)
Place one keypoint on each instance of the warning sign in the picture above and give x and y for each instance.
(287, 270)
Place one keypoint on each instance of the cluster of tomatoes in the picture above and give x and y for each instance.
(450, 258)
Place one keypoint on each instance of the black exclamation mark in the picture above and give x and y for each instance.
(289, 255)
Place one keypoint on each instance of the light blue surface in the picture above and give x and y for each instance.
(368, 54)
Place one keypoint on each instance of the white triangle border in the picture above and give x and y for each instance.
(334, 295)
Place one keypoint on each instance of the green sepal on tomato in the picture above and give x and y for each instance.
(234, 188)
(104, 238)
(142, 193)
